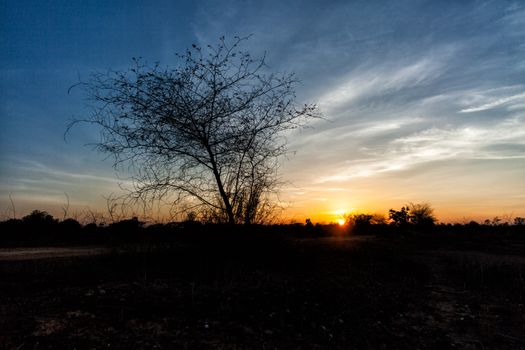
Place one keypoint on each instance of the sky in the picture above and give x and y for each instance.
(423, 101)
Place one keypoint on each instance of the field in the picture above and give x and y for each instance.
(362, 292)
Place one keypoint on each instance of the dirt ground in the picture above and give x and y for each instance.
(299, 294)
(17, 254)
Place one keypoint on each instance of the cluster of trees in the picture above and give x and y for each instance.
(497, 221)
(418, 214)
(40, 227)
(413, 216)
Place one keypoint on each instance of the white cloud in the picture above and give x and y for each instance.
(374, 128)
(366, 82)
(493, 102)
(437, 144)
(44, 170)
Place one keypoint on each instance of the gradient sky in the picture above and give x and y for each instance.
(424, 100)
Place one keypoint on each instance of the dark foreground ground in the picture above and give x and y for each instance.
(367, 293)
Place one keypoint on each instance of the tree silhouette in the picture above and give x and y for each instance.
(206, 134)
(39, 218)
(519, 221)
(362, 223)
(422, 214)
(400, 217)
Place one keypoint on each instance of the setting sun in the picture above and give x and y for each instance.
(340, 216)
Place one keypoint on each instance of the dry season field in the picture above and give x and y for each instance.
(266, 294)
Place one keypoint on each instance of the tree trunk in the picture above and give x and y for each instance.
(220, 186)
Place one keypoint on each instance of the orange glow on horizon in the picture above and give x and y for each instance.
(331, 210)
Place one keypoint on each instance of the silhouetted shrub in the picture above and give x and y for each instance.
(39, 218)
(70, 225)
(363, 223)
(421, 214)
(399, 218)
(519, 221)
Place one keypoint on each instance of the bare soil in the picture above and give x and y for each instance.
(16, 254)
(295, 294)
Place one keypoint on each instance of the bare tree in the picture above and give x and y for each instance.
(207, 133)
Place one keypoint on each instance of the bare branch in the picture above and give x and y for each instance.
(65, 208)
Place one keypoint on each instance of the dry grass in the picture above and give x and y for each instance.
(269, 293)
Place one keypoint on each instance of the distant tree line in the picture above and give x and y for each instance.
(41, 228)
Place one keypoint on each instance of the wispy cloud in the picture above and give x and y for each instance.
(435, 145)
(42, 170)
(376, 81)
(34, 181)
(512, 102)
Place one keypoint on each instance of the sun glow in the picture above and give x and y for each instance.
(341, 213)
(340, 216)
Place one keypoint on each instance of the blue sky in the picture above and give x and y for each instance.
(424, 100)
